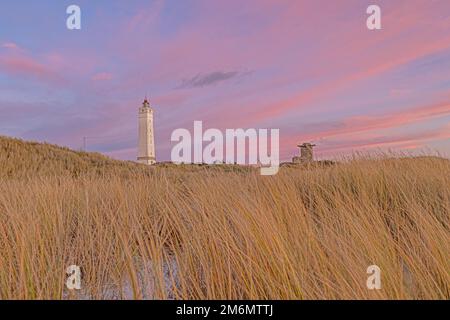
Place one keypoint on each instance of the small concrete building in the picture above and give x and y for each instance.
(306, 153)
(146, 142)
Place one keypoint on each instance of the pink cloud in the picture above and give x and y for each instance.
(10, 45)
(368, 142)
(366, 132)
(384, 64)
(358, 124)
(206, 46)
(54, 67)
(397, 141)
(23, 65)
(17, 62)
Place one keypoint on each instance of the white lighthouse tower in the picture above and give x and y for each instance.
(146, 144)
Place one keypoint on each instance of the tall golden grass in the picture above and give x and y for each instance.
(218, 233)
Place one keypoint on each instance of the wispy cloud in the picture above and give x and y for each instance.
(400, 140)
(360, 124)
(25, 66)
(203, 80)
(10, 45)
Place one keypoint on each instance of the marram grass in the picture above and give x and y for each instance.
(221, 233)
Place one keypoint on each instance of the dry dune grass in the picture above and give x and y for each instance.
(216, 233)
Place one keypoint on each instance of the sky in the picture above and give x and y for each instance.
(311, 69)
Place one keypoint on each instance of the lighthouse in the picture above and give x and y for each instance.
(146, 143)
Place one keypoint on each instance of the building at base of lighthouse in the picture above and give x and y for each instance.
(146, 143)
